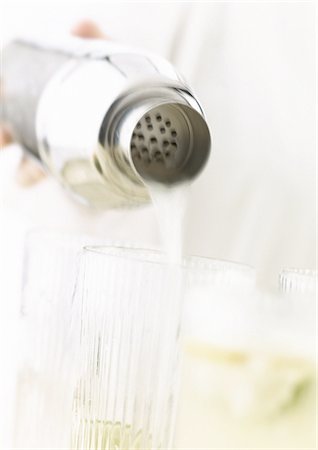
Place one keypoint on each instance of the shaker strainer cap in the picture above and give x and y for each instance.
(162, 140)
(170, 143)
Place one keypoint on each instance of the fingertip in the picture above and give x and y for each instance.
(88, 29)
(29, 173)
(5, 137)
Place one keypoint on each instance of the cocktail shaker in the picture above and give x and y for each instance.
(106, 120)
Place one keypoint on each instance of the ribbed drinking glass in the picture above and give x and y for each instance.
(46, 366)
(129, 312)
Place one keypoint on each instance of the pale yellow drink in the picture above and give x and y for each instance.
(240, 399)
(102, 435)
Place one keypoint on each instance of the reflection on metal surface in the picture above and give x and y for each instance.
(107, 121)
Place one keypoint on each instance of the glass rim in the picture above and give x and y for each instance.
(96, 243)
(293, 272)
(186, 260)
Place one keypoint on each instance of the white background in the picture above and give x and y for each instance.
(252, 65)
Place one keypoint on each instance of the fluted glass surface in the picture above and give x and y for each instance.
(129, 311)
(46, 366)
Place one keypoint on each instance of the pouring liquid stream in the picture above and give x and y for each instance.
(170, 207)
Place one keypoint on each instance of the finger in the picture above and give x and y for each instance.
(5, 136)
(88, 29)
(29, 173)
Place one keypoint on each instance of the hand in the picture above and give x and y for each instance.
(29, 172)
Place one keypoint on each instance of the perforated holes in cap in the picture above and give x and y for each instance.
(164, 132)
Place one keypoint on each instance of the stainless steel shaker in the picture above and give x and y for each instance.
(106, 120)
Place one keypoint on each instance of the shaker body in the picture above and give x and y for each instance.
(76, 104)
